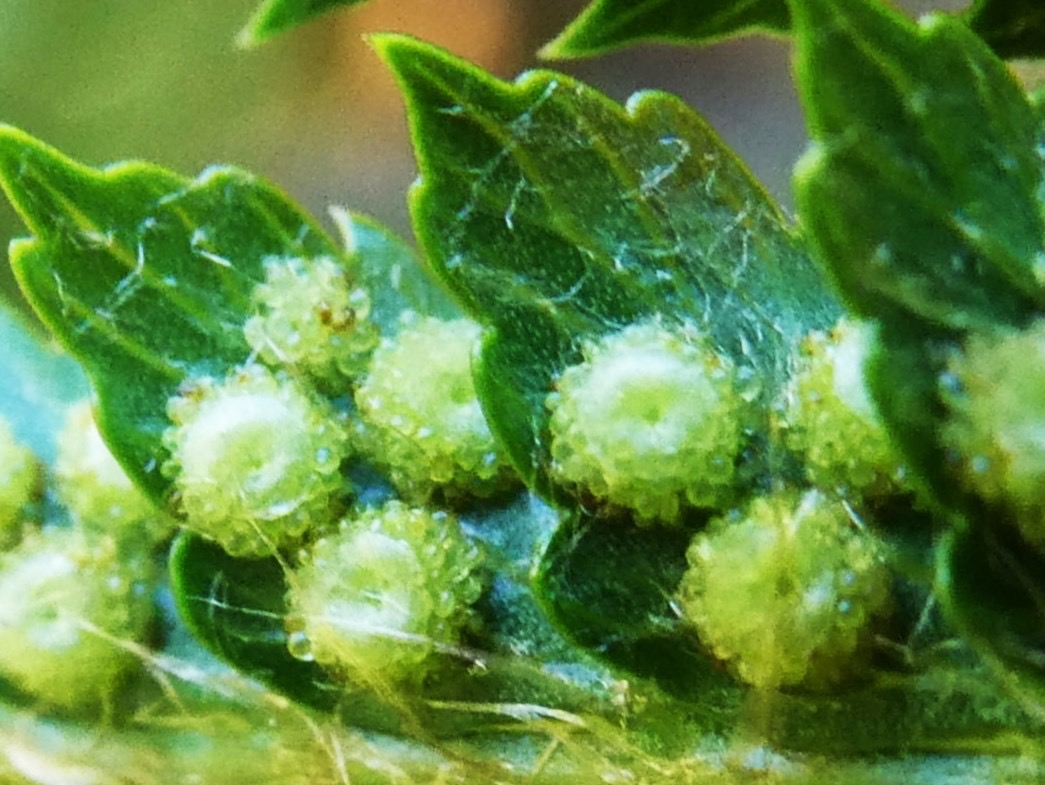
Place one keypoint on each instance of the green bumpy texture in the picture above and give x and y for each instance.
(68, 601)
(95, 488)
(311, 319)
(651, 421)
(996, 428)
(829, 418)
(20, 481)
(420, 418)
(786, 592)
(255, 460)
(377, 597)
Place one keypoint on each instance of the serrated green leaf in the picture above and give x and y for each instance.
(920, 191)
(990, 584)
(556, 215)
(277, 16)
(39, 383)
(145, 277)
(606, 25)
(1013, 28)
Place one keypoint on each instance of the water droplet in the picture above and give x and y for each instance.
(1038, 268)
(971, 230)
(300, 647)
(949, 382)
(919, 101)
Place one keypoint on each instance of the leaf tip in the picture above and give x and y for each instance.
(579, 39)
(19, 247)
(268, 21)
(416, 64)
(393, 48)
(557, 49)
(18, 150)
(13, 143)
(247, 38)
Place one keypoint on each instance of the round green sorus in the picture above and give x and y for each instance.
(650, 421)
(255, 460)
(311, 319)
(785, 591)
(94, 487)
(20, 480)
(375, 598)
(421, 419)
(995, 392)
(829, 417)
(68, 601)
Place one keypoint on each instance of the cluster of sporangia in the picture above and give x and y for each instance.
(77, 574)
(784, 584)
(996, 431)
(653, 421)
(259, 463)
(783, 587)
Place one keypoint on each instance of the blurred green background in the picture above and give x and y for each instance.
(314, 110)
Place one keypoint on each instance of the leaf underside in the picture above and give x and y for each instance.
(145, 277)
(555, 216)
(920, 132)
(922, 198)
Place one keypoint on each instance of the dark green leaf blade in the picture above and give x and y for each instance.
(991, 587)
(555, 215)
(920, 192)
(606, 25)
(1013, 28)
(277, 16)
(145, 277)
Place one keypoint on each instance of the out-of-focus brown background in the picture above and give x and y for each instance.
(314, 110)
